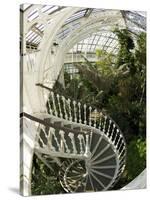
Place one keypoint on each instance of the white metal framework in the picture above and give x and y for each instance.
(91, 141)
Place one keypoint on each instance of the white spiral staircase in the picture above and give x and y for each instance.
(87, 145)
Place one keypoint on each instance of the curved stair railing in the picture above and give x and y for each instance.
(91, 143)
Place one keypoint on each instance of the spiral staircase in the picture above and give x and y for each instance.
(85, 143)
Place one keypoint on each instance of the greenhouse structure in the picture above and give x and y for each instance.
(83, 99)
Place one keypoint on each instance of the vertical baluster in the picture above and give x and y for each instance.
(109, 127)
(117, 132)
(70, 114)
(51, 147)
(105, 121)
(56, 139)
(74, 108)
(59, 106)
(90, 137)
(95, 117)
(120, 154)
(49, 143)
(118, 141)
(54, 105)
(79, 107)
(50, 108)
(64, 106)
(100, 120)
(71, 135)
(63, 142)
(90, 109)
(85, 121)
(121, 144)
(113, 129)
(80, 137)
(87, 145)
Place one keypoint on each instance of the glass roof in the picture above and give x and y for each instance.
(76, 16)
(135, 22)
(101, 40)
(45, 9)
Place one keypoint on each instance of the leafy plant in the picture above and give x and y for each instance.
(136, 161)
(44, 181)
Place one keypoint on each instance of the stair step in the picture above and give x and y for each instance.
(76, 127)
(70, 126)
(79, 128)
(49, 120)
(58, 124)
(52, 120)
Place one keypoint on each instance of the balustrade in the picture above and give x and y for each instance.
(75, 112)
(91, 136)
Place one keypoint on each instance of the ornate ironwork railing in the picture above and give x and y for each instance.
(87, 142)
(75, 112)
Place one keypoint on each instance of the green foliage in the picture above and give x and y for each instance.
(136, 158)
(130, 99)
(44, 181)
(136, 161)
(126, 45)
(104, 64)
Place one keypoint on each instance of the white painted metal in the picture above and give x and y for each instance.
(80, 146)
(42, 65)
(27, 144)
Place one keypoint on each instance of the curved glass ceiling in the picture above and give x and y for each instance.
(101, 40)
(135, 22)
